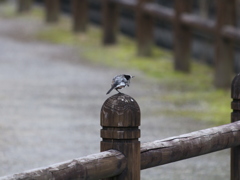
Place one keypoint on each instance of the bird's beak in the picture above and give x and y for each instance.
(133, 76)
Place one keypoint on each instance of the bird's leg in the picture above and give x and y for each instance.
(118, 91)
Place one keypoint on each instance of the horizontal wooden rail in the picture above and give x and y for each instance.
(191, 20)
(111, 163)
(232, 33)
(158, 11)
(126, 3)
(190, 145)
(197, 22)
(101, 165)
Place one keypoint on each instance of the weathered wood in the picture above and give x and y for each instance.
(144, 30)
(197, 22)
(182, 37)
(231, 33)
(235, 117)
(191, 20)
(24, 5)
(203, 8)
(111, 163)
(190, 145)
(52, 8)
(158, 11)
(235, 90)
(96, 166)
(120, 118)
(130, 4)
(226, 14)
(110, 18)
(80, 16)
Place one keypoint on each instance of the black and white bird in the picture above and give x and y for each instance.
(120, 81)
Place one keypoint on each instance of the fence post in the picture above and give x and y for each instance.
(235, 116)
(144, 30)
(182, 37)
(224, 49)
(120, 119)
(24, 5)
(79, 15)
(52, 8)
(110, 18)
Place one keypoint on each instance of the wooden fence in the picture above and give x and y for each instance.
(223, 29)
(123, 157)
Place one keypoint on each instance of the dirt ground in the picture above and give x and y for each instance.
(50, 101)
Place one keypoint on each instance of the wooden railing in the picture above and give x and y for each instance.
(184, 22)
(223, 29)
(123, 157)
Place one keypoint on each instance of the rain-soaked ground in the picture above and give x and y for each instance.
(50, 102)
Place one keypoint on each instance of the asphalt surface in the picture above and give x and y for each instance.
(50, 101)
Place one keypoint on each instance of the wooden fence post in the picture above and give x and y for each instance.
(120, 119)
(80, 16)
(23, 5)
(235, 116)
(144, 30)
(182, 37)
(224, 49)
(110, 18)
(52, 8)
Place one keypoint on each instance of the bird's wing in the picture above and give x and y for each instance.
(121, 84)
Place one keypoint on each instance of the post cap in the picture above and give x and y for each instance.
(120, 110)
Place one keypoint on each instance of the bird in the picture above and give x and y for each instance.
(119, 82)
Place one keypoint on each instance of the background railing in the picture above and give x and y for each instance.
(223, 29)
(123, 157)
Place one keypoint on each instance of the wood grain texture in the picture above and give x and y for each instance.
(111, 163)
(235, 117)
(189, 145)
(120, 110)
(101, 165)
(120, 118)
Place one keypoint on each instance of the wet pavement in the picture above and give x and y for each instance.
(50, 101)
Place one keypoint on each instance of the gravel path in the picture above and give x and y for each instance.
(50, 102)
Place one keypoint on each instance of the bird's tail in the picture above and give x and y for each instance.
(110, 89)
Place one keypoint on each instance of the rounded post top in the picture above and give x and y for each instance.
(120, 110)
(235, 90)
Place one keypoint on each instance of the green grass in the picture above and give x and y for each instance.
(7, 10)
(192, 95)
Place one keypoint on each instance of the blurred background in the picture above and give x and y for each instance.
(58, 57)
